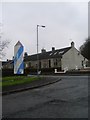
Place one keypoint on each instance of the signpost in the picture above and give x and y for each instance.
(18, 58)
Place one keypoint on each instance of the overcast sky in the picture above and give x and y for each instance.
(64, 21)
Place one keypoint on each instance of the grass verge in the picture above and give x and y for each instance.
(15, 80)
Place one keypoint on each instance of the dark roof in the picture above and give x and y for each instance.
(7, 62)
(47, 55)
(4, 62)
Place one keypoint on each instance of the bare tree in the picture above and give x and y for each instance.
(3, 44)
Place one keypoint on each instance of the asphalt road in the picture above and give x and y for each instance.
(67, 98)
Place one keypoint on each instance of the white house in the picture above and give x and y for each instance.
(68, 58)
(72, 59)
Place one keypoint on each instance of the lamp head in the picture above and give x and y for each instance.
(42, 26)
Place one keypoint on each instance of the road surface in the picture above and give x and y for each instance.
(67, 98)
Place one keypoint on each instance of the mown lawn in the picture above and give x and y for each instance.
(15, 80)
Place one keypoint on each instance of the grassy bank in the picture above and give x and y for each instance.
(15, 80)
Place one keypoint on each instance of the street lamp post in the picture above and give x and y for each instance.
(37, 49)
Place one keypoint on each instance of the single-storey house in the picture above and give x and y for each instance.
(66, 58)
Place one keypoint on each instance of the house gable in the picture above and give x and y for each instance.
(72, 59)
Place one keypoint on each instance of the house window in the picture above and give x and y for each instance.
(49, 63)
(82, 63)
(55, 53)
(61, 52)
(50, 54)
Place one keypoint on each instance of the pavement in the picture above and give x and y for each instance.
(34, 84)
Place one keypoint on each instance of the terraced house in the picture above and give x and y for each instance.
(66, 58)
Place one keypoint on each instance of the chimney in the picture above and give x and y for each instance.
(72, 44)
(25, 54)
(53, 48)
(43, 50)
